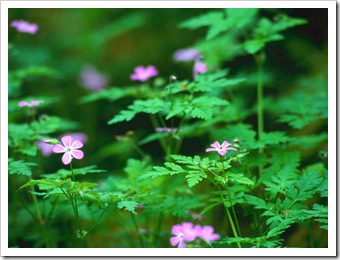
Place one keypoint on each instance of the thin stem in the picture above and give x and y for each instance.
(260, 120)
(233, 211)
(97, 221)
(35, 201)
(229, 217)
(137, 230)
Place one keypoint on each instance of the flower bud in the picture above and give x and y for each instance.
(51, 141)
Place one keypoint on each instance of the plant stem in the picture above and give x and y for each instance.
(229, 217)
(73, 200)
(137, 230)
(260, 120)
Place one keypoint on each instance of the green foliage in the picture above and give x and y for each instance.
(267, 31)
(150, 106)
(219, 22)
(16, 78)
(128, 205)
(20, 167)
(63, 173)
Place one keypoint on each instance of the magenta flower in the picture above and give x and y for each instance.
(29, 104)
(92, 80)
(186, 55)
(70, 149)
(221, 149)
(25, 27)
(191, 55)
(183, 233)
(143, 74)
(199, 68)
(206, 233)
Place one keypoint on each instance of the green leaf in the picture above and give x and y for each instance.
(112, 94)
(240, 178)
(128, 205)
(20, 167)
(194, 177)
(203, 20)
(202, 107)
(149, 106)
(63, 173)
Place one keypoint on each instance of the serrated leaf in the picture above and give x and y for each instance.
(202, 20)
(20, 167)
(240, 178)
(129, 205)
(195, 177)
(149, 106)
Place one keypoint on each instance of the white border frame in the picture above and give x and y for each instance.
(330, 251)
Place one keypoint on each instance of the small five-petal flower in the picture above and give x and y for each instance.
(143, 74)
(222, 149)
(70, 149)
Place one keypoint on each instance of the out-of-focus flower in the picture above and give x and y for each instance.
(70, 149)
(92, 80)
(45, 148)
(24, 26)
(199, 68)
(206, 233)
(221, 149)
(29, 104)
(191, 55)
(183, 233)
(186, 55)
(165, 129)
(143, 74)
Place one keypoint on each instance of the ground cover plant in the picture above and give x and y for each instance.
(206, 131)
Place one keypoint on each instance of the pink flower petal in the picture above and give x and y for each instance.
(78, 154)
(76, 144)
(67, 158)
(210, 150)
(174, 241)
(216, 145)
(58, 148)
(67, 141)
(176, 230)
(231, 148)
(222, 152)
(22, 104)
(225, 144)
(182, 244)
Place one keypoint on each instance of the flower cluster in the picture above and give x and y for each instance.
(187, 232)
(191, 55)
(25, 27)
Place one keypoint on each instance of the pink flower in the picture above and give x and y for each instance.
(199, 68)
(25, 27)
(70, 149)
(29, 104)
(186, 55)
(183, 233)
(221, 149)
(143, 74)
(92, 80)
(191, 55)
(206, 233)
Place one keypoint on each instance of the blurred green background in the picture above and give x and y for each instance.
(115, 41)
